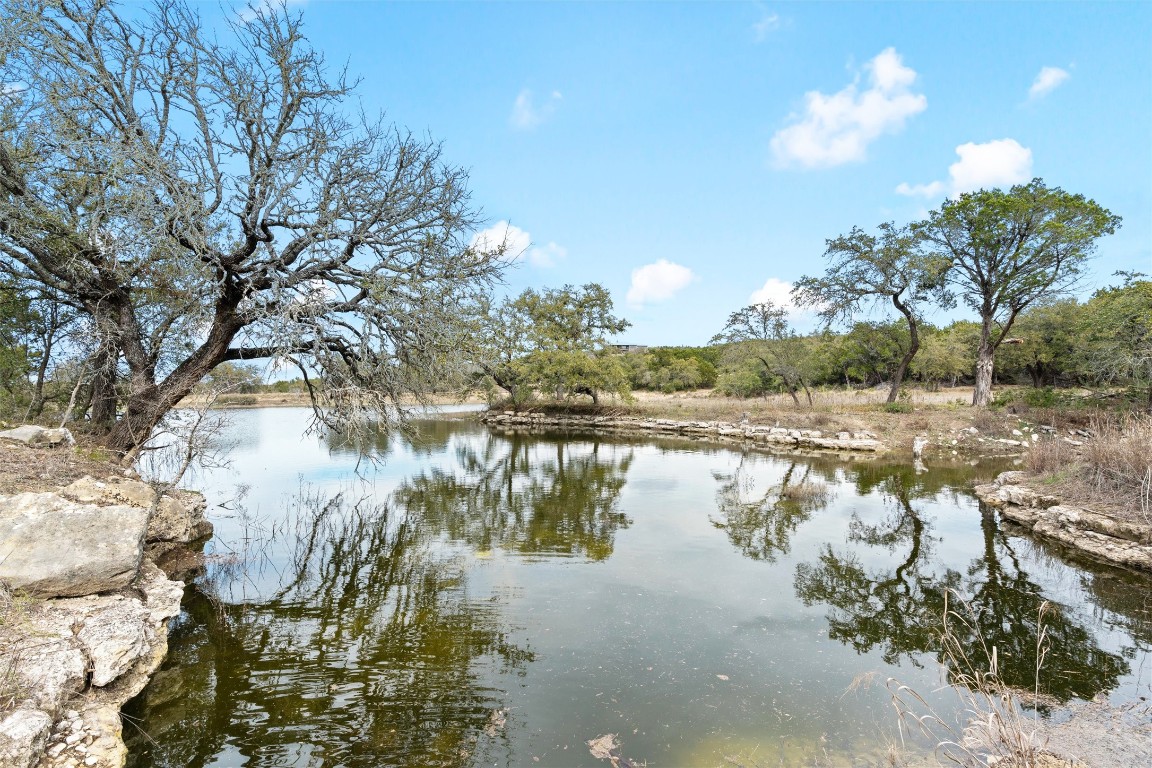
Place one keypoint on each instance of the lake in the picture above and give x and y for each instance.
(463, 597)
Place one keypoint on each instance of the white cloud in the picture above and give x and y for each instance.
(504, 238)
(837, 129)
(777, 291)
(1047, 81)
(548, 255)
(997, 163)
(658, 281)
(768, 22)
(516, 245)
(527, 114)
(1002, 162)
(931, 189)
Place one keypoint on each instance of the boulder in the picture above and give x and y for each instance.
(116, 632)
(35, 436)
(176, 517)
(23, 735)
(53, 547)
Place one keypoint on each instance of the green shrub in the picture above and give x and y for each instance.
(1041, 398)
(898, 407)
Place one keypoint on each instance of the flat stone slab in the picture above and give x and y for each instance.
(33, 435)
(52, 547)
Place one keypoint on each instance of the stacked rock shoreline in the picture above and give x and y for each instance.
(91, 577)
(775, 436)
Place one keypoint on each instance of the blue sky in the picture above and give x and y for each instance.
(693, 157)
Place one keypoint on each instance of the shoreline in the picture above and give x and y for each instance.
(1100, 536)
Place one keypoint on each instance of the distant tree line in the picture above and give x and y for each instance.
(1105, 341)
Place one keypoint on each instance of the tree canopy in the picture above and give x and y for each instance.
(761, 332)
(864, 268)
(553, 340)
(1010, 249)
(203, 200)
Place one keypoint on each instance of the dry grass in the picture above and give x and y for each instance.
(24, 469)
(806, 492)
(997, 731)
(1050, 455)
(13, 611)
(1111, 473)
(1119, 461)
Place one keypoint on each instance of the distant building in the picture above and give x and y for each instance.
(630, 348)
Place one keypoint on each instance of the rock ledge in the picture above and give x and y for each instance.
(777, 437)
(1115, 541)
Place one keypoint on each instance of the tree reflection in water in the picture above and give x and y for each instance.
(761, 525)
(898, 610)
(531, 495)
(370, 652)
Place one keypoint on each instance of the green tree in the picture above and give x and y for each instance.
(554, 340)
(867, 269)
(17, 319)
(872, 352)
(213, 197)
(762, 332)
(947, 353)
(1044, 341)
(1117, 329)
(1009, 250)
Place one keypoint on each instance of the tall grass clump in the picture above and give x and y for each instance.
(996, 730)
(1119, 461)
(806, 492)
(13, 611)
(1050, 455)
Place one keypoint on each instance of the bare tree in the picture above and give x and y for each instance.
(206, 201)
(865, 268)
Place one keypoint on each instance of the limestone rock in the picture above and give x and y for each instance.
(52, 547)
(23, 735)
(116, 632)
(1013, 477)
(52, 667)
(35, 436)
(114, 490)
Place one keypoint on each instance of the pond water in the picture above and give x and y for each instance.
(467, 597)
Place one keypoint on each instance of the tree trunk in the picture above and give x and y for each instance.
(985, 359)
(792, 390)
(146, 407)
(807, 392)
(103, 390)
(913, 347)
(1035, 373)
(36, 407)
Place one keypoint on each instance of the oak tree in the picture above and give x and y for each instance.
(865, 269)
(212, 197)
(1010, 249)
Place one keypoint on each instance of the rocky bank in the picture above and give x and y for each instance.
(91, 576)
(1115, 541)
(775, 436)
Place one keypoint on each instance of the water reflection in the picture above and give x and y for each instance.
(527, 495)
(369, 652)
(898, 608)
(478, 598)
(761, 524)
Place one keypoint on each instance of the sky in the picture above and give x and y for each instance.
(694, 157)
